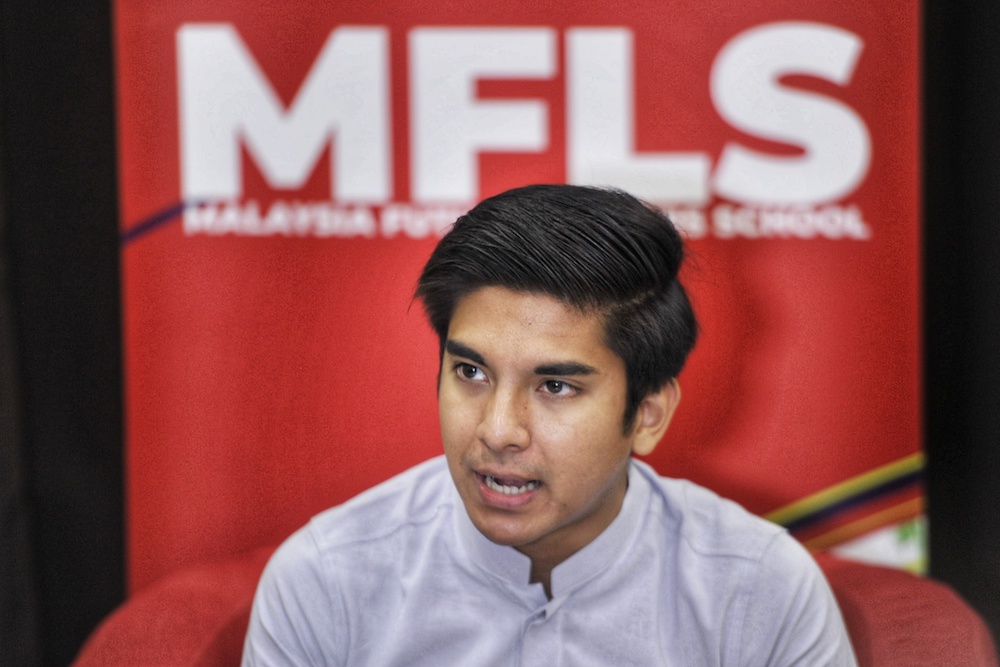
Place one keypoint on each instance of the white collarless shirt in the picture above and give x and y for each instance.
(400, 576)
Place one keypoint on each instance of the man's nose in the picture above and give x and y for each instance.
(504, 421)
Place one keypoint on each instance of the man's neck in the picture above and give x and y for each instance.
(548, 554)
(541, 574)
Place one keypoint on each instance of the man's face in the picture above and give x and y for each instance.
(531, 404)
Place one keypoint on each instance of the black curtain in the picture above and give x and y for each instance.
(962, 297)
(61, 553)
(61, 507)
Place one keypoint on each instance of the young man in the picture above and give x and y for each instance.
(537, 539)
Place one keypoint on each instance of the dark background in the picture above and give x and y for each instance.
(61, 505)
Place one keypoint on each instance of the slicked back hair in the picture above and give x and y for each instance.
(600, 250)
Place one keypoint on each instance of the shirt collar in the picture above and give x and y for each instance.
(514, 567)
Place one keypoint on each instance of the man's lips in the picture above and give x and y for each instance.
(509, 487)
(505, 490)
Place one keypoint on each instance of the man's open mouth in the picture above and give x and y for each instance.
(509, 487)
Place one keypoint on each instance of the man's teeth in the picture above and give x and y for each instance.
(494, 484)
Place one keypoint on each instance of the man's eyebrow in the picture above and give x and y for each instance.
(456, 349)
(564, 369)
(558, 368)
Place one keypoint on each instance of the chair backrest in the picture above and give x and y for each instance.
(896, 618)
(196, 617)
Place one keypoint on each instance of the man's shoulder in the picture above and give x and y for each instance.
(369, 531)
(764, 590)
(308, 591)
(411, 498)
(707, 523)
(723, 555)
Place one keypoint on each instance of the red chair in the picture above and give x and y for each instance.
(198, 617)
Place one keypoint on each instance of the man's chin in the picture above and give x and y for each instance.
(503, 535)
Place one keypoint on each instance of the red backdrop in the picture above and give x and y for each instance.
(287, 167)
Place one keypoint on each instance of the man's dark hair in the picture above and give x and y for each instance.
(600, 250)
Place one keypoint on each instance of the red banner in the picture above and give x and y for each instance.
(286, 169)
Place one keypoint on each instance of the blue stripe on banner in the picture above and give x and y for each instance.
(885, 488)
(151, 223)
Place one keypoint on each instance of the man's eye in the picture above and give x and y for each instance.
(470, 372)
(558, 388)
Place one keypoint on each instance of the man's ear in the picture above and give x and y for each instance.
(653, 417)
